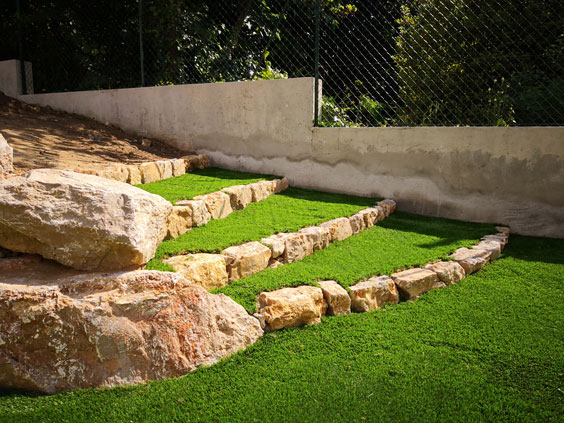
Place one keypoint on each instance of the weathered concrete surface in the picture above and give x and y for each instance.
(483, 174)
(83, 221)
(10, 77)
(506, 175)
(61, 331)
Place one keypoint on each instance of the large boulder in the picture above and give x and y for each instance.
(82, 221)
(113, 329)
(6, 158)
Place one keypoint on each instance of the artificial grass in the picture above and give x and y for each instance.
(401, 241)
(201, 181)
(288, 211)
(486, 349)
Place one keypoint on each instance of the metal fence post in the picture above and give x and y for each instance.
(20, 48)
(317, 28)
(141, 55)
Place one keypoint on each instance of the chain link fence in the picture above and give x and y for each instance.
(382, 63)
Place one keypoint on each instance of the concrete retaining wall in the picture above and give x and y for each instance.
(512, 176)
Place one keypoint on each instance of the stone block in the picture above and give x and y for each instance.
(281, 185)
(246, 259)
(297, 246)
(165, 169)
(179, 221)
(240, 196)
(291, 307)
(339, 228)
(318, 236)
(150, 172)
(336, 297)
(388, 205)
(116, 172)
(371, 215)
(206, 270)
(218, 204)
(200, 213)
(276, 243)
(494, 247)
(133, 175)
(414, 282)
(471, 260)
(178, 167)
(449, 272)
(373, 294)
(260, 191)
(357, 223)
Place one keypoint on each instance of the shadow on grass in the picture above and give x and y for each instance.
(215, 172)
(542, 250)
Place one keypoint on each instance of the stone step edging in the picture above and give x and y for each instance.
(147, 172)
(236, 262)
(292, 307)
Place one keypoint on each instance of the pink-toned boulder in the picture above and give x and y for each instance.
(247, 259)
(200, 212)
(240, 196)
(291, 307)
(83, 331)
(449, 272)
(82, 221)
(470, 259)
(297, 247)
(336, 297)
(373, 294)
(218, 204)
(339, 228)
(414, 282)
(6, 158)
(319, 237)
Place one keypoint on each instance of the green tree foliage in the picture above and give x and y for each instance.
(480, 62)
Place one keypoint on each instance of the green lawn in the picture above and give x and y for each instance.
(487, 349)
(285, 212)
(201, 181)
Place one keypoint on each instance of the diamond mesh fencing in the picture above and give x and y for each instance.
(382, 63)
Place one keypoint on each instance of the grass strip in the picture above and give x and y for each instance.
(486, 349)
(401, 241)
(199, 182)
(288, 211)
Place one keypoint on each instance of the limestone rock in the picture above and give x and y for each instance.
(261, 190)
(281, 185)
(297, 246)
(218, 204)
(207, 270)
(471, 260)
(318, 236)
(246, 259)
(18, 262)
(240, 196)
(389, 206)
(449, 272)
(134, 175)
(501, 238)
(6, 158)
(291, 307)
(203, 161)
(119, 329)
(494, 247)
(339, 228)
(414, 282)
(165, 169)
(276, 243)
(117, 173)
(503, 229)
(150, 172)
(336, 297)
(82, 221)
(200, 212)
(357, 223)
(179, 221)
(371, 215)
(373, 293)
(178, 167)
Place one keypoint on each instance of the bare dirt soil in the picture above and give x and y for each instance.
(45, 138)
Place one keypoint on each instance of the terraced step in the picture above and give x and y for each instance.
(243, 260)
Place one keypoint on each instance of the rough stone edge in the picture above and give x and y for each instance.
(503, 232)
